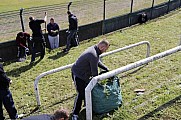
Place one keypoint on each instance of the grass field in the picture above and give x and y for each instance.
(87, 11)
(161, 78)
(11, 5)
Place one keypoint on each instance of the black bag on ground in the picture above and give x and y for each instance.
(106, 96)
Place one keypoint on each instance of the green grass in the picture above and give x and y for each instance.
(161, 78)
(10, 5)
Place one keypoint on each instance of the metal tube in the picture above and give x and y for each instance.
(130, 12)
(70, 65)
(44, 74)
(21, 18)
(153, 2)
(104, 17)
(168, 8)
(127, 47)
(112, 73)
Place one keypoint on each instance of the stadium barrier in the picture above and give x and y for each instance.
(8, 50)
(93, 82)
(70, 65)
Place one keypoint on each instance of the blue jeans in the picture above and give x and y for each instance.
(6, 99)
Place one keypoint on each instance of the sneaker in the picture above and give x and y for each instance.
(74, 117)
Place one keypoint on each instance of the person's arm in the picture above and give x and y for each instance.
(19, 42)
(48, 28)
(93, 65)
(102, 66)
(58, 28)
(41, 21)
(4, 78)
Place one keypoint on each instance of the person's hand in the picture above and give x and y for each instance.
(107, 70)
(26, 49)
(30, 38)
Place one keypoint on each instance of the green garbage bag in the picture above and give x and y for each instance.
(106, 96)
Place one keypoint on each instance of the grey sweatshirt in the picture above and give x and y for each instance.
(87, 64)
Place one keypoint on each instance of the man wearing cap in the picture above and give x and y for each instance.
(37, 37)
(22, 39)
(6, 98)
(53, 34)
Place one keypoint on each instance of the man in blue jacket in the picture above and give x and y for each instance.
(6, 98)
(84, 69)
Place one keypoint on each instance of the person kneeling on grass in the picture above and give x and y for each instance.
(61, 114)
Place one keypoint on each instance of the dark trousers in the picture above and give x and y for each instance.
(38, 44)
(69, 38)
(6, 99)
(80, 86)
(21, 52)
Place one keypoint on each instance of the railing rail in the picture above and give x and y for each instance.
(112, 73)
(70, 65)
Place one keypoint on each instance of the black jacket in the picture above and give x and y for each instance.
(35, 26)
(4, 80)
(73, 23)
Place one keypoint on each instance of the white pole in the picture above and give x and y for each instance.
(44, 74)
(118, 71)
(70, 65)
(127, 47)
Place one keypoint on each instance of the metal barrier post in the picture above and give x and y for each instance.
(153, 2)
(21, 18)
(70, 65)
(118, 71)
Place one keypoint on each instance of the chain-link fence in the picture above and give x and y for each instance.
(88, 11)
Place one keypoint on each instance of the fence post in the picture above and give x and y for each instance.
(131, 10)
(168, 8)
(152, 8)
(21, 18)
(104, 17)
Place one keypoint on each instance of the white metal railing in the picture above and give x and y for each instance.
(118, 71)
(70, 65)
(127, 47)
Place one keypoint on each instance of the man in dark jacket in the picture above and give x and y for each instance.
(37, 37)
(84, 69)
(73, 27)
(22, 39)
(58, 115)
(6, 96)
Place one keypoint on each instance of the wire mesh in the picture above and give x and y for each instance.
(88, 11)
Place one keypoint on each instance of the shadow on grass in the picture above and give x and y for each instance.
(136, 70)
(39, 109)
(160, 108)
(58, 55)
(82, 115)
(18, 71)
